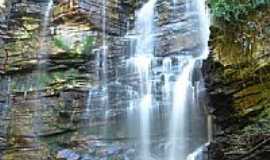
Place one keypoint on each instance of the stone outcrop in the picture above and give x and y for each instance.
(48, 79)
(237, 79)
(45, 77)
(178, 32)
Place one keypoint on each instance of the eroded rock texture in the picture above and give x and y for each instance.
(44, 81)
(48, 71)
(237, 79)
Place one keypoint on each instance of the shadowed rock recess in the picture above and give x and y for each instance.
(67, 87)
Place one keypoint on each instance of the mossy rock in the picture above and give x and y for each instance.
(75, 49)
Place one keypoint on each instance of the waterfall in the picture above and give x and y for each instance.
(204, 21)
(178, 134)
(158, 90)
(144, 29)
(47, 15)
(142, 60)
(176, 94)
(104, 38)
(197, 155)
(44, 30)
(167, 73)
(104, 66)
(101, 67)
(37, 122)
(101, 53)
(177, 123)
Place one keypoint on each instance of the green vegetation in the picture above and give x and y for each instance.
(242, 29)
(235, 10)
(42, 80)
(76, 49)
(60, 43)
(87, 45)
(240, 40)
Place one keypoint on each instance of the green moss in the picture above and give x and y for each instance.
(87, 45)
(43, 80)
(60, 43)
(22, 48)
(260, 123)
(30, 23)
(78, 49)
(240, 42)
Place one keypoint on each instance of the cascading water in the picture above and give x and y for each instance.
(153, 93)
(204, 21)
(175, 94)
(101, 67)
(197, 154)
(42, 59)
(167, 73)
(104, 60)
(160, 108)
(177, 133)
(104, 38)
(101, 53)
(188, 5)
(45, 26)
(47, 16)
(142, 61)
(104, 66)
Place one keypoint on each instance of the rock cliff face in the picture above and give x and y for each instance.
(178, 29)
(47, 72)
(44, 90)
(237, 79)
(49, 68)
(22, 24)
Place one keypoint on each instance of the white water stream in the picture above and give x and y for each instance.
(142, 59)
(179, 128)
(45, 27)
(178, 92)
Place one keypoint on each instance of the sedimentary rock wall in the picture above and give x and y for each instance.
(237, 79)
(178, 28)
(46, 74)
(51, 87)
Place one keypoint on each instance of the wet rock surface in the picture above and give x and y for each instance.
(237, 80)
(45, 93)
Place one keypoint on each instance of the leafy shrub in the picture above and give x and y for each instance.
(235, 10)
